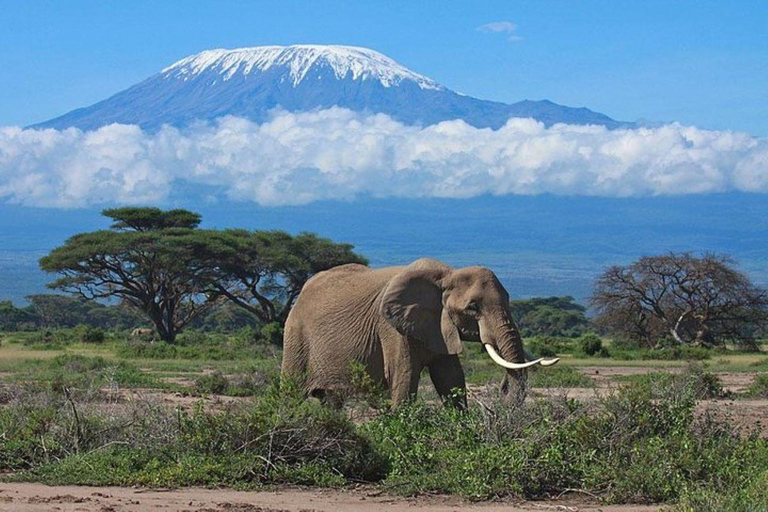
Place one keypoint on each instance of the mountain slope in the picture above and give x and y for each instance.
(249, 82)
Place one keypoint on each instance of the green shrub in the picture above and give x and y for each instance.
(619, 343)
(93, 335)
(750, 498)
(215, 383)
(548, 346)
(282, 438)
(247, 383)
(693, 382)
(540, 348)
(592, 345)
(272, 333)
(50, 339)
(619, 448)
(759, 388)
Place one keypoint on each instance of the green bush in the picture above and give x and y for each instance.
(759, 388)
(540, 348)
(50, 339)
(750, 498)
(624, 344)
(272, 333)
(550, 316)
(93, 335)
(548, 346)
(619, 449)
(693, 382)
(215, 383)
(282, 438)
(592, 345)
(246, 383)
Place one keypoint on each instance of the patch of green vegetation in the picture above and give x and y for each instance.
(759, 387)
(281, 438)
(630, 447)
(559, 377)
(694, 381)
(198, 345)
(675, 353)
(591, 345)
(549, 346)
(751, 498)
(636, 445)
(81, 372)
(244, 383)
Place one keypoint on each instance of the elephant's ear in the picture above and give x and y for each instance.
(413, 304)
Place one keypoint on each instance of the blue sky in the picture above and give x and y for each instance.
(699, 62)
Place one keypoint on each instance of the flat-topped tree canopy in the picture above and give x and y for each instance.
(162, 264)
(151, 219)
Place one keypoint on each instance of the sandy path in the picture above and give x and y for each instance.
(37, 498)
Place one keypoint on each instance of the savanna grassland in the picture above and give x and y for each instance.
(684, 428)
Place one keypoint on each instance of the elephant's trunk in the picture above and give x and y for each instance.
(503, 343)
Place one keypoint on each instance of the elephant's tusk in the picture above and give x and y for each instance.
(545, 362)
(506, 364)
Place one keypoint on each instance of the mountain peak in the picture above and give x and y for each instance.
(299, 62)
(252, 82)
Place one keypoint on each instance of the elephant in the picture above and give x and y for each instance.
(395, 322)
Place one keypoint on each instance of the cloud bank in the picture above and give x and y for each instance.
(297, 158)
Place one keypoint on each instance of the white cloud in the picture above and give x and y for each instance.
(298, 158)
(505, 27)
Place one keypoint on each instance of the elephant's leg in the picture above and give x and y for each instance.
(448, 377)
(405, 385)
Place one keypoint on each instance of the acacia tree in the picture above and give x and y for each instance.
(694, 300)
(264, 271)
(163, 265)
(148, 258)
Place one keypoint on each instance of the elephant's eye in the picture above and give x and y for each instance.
(472, 307)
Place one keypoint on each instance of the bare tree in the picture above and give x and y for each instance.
(694, 300)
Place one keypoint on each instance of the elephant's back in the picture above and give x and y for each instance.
(345, 284)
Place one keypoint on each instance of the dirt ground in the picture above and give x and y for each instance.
(23, 497)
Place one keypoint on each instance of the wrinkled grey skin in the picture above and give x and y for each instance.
(394, 322)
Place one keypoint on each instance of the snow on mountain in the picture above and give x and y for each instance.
(361, 63)
(250, 82)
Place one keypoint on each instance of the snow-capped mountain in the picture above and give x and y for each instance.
(299, 61)
(249, 82)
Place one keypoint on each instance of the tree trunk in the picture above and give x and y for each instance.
(674, 330)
